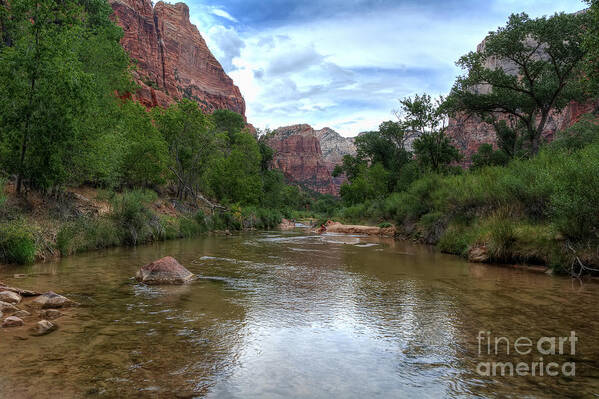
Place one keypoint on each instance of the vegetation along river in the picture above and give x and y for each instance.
(295, 315)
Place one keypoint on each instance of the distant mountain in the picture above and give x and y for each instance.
(307, 157)
(334, 146)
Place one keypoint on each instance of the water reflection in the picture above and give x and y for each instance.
(293, 315)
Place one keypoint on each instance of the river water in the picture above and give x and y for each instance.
(295, 315)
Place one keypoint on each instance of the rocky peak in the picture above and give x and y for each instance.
(173, 60)
(334, 146)
(299, 156)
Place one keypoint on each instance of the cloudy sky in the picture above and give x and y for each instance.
(345, 63)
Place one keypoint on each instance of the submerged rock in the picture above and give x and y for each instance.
(164, 271)
(42, 327)
(51, 300)
(7, 307)
(10, 297)
(12, 321)
(22, 313)
(50, 314)
(286, 224)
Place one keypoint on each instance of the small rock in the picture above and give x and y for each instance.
(7, 307)
(51, 300)
(164, 271)
(42, 327)
(22, 313)
(478, 255)
(50, 314)
(10, 297)
(12, 321)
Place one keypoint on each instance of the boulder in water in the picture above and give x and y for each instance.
(12, 321)
(42, 327)
(7, 307)
(10, 297)
(51, 300)
(164, 271)
(50, 314)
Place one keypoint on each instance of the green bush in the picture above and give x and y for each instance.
(17, 244)
(457, 240)
(136, 222)
(385, 225)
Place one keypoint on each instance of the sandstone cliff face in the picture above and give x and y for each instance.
(299, 156)
(334, 146)
(173, 60)
(470, 132)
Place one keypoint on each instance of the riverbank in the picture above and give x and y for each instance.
(36, 228)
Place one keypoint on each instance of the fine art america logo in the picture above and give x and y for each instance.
(552, 347)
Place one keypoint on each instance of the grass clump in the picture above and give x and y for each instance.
(17, 243)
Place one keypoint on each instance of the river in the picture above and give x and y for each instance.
(295, 315)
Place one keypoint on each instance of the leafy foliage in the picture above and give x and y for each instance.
(541, 59)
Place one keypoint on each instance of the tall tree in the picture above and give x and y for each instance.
(591, 45)
(525, 70)
(49, 84)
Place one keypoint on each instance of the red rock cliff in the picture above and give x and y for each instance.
(299, 156)
(173, 60)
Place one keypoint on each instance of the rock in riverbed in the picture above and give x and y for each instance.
(164, 271)
(50, 314)
(42, 327)
(7, 307)
(12, 321)
(10, 297)
(22, 313)
(51, 300)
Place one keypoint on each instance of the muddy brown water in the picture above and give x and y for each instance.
(294, 315)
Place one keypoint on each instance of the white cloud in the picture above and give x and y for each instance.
(223, 14)
(347, 72)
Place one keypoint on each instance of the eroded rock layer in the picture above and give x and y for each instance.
(173, 60)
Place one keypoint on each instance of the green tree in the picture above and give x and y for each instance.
(435, 152)
(487, 156)
(51, 81)
(192, 145)
(539, 60)
(591, 46)
(145, 157)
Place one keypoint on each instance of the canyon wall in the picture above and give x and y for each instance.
(299, 155)
(470, 132)
(173, 60)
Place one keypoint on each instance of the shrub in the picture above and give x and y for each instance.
(574, 204)
(17, 244)
(136, 222)
(385, 225)
(457, 240)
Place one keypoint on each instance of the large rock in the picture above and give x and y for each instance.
(164, 271)
(42, 327)
(10, 297)
(12, 321)
(51, 300)
(299, 156)
(173, 60)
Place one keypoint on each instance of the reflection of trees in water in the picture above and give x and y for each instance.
(427, 307)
